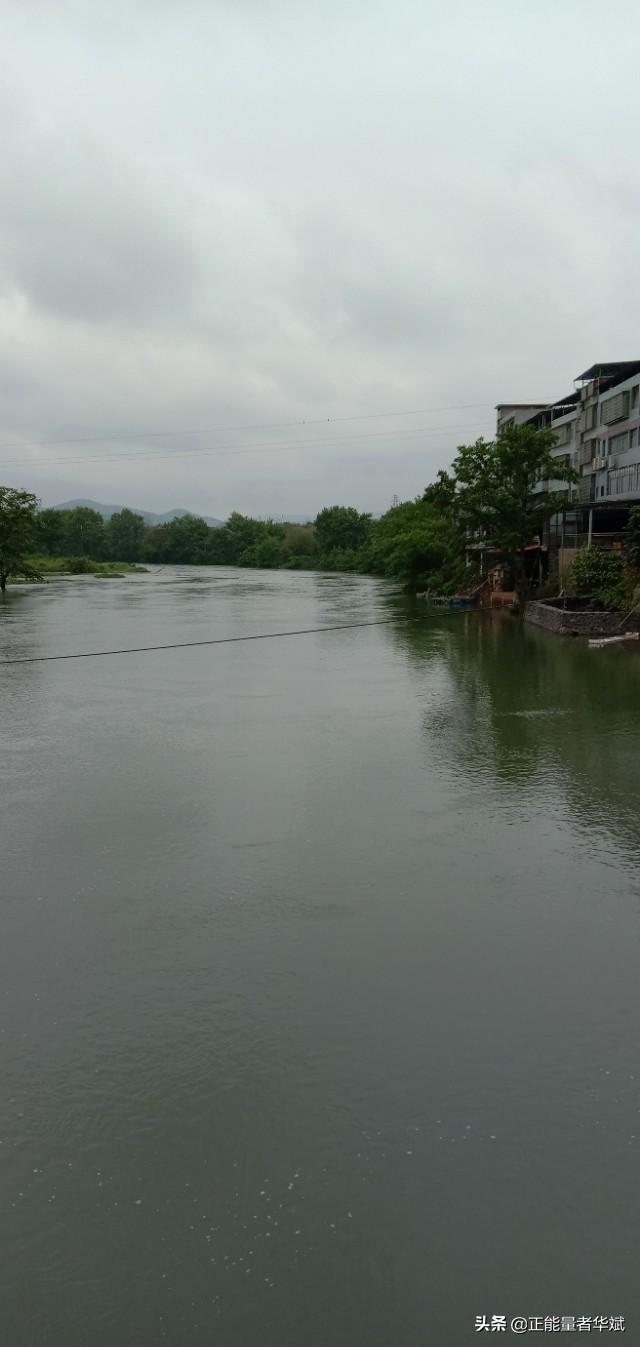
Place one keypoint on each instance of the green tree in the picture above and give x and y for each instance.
(155, 546)
(417, 543)
(50, 531)
(124, 536)
(243, 533)
(267, 553)
(188, 540)
(300, 547)
(495, 494)
(220, 547)
(84, 532)
(340, 528)
(18, 529)
(255, 542)
(441, 494)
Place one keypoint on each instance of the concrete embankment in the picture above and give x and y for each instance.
(578, 621)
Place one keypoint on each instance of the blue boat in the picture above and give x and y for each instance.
(454, 601)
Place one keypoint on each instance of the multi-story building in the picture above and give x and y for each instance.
(598, 430)
(607, 449)
(516, 413)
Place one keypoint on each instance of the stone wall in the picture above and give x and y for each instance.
(579, 623)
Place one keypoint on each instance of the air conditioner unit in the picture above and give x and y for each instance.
(599, 463)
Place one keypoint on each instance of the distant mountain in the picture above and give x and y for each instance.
(284, 518)
(149, 517)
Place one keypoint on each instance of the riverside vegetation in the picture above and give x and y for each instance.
(488, 493)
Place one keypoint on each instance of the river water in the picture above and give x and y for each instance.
(319, 969)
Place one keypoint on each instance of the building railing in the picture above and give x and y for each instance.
(624, 481)
(612, 542)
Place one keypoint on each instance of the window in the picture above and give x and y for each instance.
(564, 433)
(618, 443)
(634, 396)
(633, 438)
(615, 408)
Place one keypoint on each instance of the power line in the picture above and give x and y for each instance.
(218, 640)
(224, 430)
(283, 446)
(287, 446)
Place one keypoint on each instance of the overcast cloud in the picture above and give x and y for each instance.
(221, 220)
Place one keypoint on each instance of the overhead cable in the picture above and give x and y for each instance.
(216, 640)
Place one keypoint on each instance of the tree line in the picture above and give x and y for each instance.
(333, 539)
(488, 493)
(409, 542)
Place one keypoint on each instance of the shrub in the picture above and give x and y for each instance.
(632, 538)
(602, 575)
(594, 570)
(80, 566)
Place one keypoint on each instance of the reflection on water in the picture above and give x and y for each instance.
(546, 715)
(319, 968)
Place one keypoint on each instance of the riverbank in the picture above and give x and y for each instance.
(56, 568)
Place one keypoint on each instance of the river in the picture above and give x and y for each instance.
(319, 968)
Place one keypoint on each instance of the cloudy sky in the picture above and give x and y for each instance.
(269, 255)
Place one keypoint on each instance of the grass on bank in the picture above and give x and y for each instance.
(46, 568)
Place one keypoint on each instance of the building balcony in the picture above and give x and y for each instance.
(624, 481)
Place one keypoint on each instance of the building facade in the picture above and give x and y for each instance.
(516, 413)
(597, 428)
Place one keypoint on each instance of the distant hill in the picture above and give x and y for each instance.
(149, 517)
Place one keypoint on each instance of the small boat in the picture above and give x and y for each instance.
(453, 601)
(596, 642)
